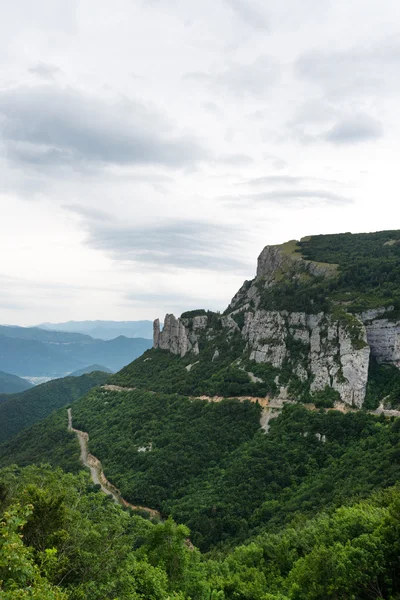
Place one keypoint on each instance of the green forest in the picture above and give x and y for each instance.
(18, 411)
(61, 539)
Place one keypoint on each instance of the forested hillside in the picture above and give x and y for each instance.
(60, 539)
(210, 465)
(368, 274)
(11, 384)
(18, 411)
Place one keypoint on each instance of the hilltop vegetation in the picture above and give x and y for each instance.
(368, 275)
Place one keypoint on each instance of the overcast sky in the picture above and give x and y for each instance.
(149, 149)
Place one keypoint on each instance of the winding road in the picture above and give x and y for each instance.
(97, 473)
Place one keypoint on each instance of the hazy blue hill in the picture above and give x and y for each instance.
(105, 330)
(25, 409)
(90, 369)
(33, 352)
(27, 357)
(42, 335)
(11, 384)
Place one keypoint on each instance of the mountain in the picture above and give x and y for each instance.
(33, 352)
(90, 369)
(319, 322)
(272, 431)
(11, 384)
(104, 330)
(18, 411)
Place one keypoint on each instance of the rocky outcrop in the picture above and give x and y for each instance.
(179, 336)
(317, 347)
(174, 336)
(320, 350)
(274, 261)
(274, 264)
(384, 340)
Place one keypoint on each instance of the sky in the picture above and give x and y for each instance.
(150, 149)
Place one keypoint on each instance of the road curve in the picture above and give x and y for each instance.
(97, 473)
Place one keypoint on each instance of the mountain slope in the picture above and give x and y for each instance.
(211, 466)
(305, 328)
(11, 384)
(25, 409)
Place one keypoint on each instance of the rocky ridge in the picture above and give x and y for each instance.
(322, 350)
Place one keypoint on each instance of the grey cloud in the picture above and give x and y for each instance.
(242, 79)
(360, 128)
(179, 244)
(290, 197)
(87, 212)
(45, 70)
(237, 160)
(47, 125)
(353, 71)
(276, 161)
(170, 299)
(249, 14)
(283, 180)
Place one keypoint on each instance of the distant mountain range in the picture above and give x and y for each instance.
(104, 330)
(35, 352)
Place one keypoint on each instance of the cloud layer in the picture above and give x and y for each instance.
(49, 125)
(150, 150)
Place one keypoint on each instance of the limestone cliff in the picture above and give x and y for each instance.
(319, 350)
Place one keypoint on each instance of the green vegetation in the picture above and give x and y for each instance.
(61, 539)
(211, 467)
(383, 384)
(309, 511)
(45, 442)
(189, 314)
(22, 410)
(90, 369)
(55, 527)
(161, 371)
(368, 275)
(11, 384)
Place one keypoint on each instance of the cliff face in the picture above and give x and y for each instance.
(318, 350)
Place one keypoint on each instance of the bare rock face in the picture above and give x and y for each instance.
(320, 349)
(173, 337)
(276, 260)
(176, 336)
(324, 350)
(384, 339)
